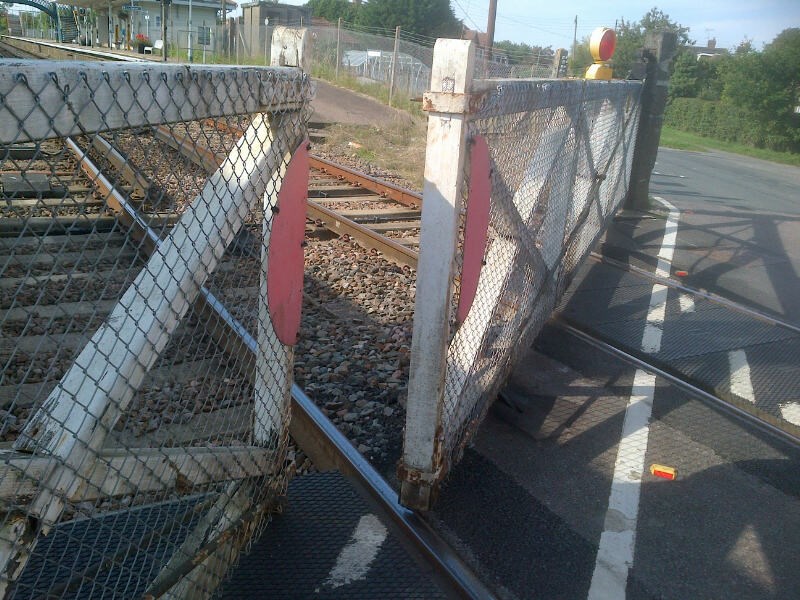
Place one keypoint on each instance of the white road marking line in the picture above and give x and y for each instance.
(653, 329)
(669, 240)
(615, 553)
(356, 557)
(617, 542)
(669, 175)
(686, 302)
(741, 384)
(790, 411)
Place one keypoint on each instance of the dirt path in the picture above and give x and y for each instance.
(337, 105)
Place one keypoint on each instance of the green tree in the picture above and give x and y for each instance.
(430, 18)
(333, 10)
(767, 85)
(522, 53)
(696, 78)
(684, 80)
(709, 81)
(744, 47)
(580, 60)
(631, 38)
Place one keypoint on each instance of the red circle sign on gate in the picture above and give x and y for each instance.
(602, 44)
(286, 258)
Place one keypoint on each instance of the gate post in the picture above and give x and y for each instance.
(451, 82)
(658, 52)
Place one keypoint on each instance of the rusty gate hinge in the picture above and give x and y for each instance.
(450, 102)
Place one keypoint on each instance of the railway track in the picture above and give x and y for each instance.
(376, 214)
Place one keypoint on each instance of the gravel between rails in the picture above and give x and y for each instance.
(354, 348)
(353, 354)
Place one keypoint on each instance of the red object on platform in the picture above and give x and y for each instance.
(285, 265)
(476, 228)
(664, 471)
(681, 273)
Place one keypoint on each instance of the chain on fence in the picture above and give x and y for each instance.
(145, 381)
(557, 165)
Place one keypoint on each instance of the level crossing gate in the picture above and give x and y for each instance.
(521, 178)
(148, 320)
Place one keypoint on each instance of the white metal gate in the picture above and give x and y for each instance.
(541, 166)
(147, 314)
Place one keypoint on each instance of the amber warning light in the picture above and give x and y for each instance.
(602, 45)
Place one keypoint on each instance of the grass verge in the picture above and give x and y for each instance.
(398, 147)
(681, 140)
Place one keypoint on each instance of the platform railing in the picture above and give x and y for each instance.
(521, 179)
(142, 454)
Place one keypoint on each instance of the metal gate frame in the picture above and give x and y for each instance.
(62, 455)
(572, 172)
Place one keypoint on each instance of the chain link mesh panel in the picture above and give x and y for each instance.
(557, 156)
(144, 392)
(560, 155)
(370, 58)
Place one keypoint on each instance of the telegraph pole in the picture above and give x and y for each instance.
(490, 26)
(575, 37)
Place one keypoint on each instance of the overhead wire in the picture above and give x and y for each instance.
(468, 16)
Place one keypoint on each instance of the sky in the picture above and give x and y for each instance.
(548, 23)
(552, 23)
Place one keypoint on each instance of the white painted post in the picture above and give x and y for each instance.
(445, 156)
(274, 360)
(190, 32)
(338, 45)
(394, 63)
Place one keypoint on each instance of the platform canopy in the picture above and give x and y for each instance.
(101, 6)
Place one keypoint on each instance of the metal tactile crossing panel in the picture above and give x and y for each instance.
(700, 333)
(74, 560)
(296, 556)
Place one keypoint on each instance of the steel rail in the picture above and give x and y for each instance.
(760, 421)
(756, 314)
(338, 224)
(369, 238)
(14, 52)
(384, 189)
(351, 463)
(319, 438)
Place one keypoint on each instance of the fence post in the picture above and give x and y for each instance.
(451, 78)
(394, 63)
(558, 60)
(338, 45)
(164, 15)
(658, 52)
